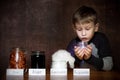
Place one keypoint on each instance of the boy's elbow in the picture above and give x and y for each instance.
(108, 68)
(107, 63)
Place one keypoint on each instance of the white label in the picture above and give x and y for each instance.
(81, 72)
(37, 72)
(15, 71)
(58, 71)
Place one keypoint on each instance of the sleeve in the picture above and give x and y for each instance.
(70, 48)
(96, 62)
(105, 54)
(104, 61)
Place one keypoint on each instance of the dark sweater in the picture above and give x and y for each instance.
(101, 54)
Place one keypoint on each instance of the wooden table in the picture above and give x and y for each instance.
(101, 75)
(94, 75)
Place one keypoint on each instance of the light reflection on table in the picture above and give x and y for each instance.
(58, 77)
(81, 77)
(37, 77)
(12, 77)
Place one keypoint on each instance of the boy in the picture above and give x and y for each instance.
(97, 53)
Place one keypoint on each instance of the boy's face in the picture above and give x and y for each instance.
(86, 31)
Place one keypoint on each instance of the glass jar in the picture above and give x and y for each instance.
(38, 59)
(17, 59)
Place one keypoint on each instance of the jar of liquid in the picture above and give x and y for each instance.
(38, 59)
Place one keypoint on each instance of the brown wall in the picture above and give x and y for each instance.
(46, 25)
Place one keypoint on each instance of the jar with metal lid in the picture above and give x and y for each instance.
(38, 59)
(17, 59)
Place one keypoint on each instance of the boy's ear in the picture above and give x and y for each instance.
(96, 27)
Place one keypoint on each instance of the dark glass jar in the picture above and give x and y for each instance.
(38, 59)
(17, 59)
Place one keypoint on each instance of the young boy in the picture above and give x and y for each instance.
(97, 53)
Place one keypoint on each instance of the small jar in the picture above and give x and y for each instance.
(82, 44)
(38, 59)
(17, 59)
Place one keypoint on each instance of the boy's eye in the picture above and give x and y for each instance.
(80, 29)
(88, 28)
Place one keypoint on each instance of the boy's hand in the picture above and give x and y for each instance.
(83, 53)
(79, 52)
(87, 52)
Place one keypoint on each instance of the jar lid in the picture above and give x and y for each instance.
(38, 52)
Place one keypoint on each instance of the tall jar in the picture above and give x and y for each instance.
(17, 59)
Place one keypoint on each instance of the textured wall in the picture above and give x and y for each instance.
(46, 25)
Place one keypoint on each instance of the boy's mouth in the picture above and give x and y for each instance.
(84, 39)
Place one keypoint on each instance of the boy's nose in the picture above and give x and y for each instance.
(83, 33)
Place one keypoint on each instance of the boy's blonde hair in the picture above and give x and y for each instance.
(84, 14)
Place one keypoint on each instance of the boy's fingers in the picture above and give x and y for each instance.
(80, 54)
(89, 47)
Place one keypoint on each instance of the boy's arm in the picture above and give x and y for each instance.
(70, 48)
(101, 63)
(97, 62)
(104, 59)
